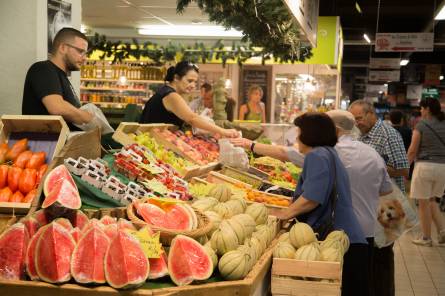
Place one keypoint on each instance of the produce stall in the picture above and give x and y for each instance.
(140, 219)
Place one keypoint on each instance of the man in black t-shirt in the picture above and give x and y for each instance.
(47, 90)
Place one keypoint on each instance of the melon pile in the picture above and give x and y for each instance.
(301, 243)
(240, 233)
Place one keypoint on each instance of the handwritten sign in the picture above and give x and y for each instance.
(150, 244)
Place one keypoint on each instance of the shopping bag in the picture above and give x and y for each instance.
(99, 120)
(395, 216)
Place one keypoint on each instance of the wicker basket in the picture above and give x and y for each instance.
(167, 235)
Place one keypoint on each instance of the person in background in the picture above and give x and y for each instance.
(386, 118)
(254, 109)
(398, 122)
(47, 89)
(389, 145)
(204, 101)
(168, 106)
(428, 182)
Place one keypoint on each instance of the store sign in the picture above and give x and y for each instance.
(432, 74)
(399, 42)
(380, 63)
(306, 15)
(384, 76)
(430, 93)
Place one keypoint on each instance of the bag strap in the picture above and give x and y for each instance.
(435, 133)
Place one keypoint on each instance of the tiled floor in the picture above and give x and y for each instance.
(420, 271)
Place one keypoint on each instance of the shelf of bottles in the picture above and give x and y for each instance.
(116, 85)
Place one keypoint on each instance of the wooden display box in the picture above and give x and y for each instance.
(44, 133)
(304, 278)
(250, 179)
(256, 283)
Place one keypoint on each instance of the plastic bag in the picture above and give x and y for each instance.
(232, 156)
(99, 120)
(395, 216)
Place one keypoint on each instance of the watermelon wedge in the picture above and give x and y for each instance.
(13, 245)
(64, 194)
(188, 261)
(176, 217)
(31, 224)
(56, 175)
(31, 255)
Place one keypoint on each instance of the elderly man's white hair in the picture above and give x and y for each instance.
(342, 119)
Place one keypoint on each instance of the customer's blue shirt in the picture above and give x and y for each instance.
(316, 182)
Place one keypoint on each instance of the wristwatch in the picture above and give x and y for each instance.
(252, 146)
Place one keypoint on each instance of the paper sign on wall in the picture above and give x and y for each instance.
(404, 42)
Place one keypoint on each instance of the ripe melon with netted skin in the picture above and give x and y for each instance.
(308, 253)
(247, 221)
(212, 254)
(256, 243)
(223, 210)
(237, 227)
(284, 237)
(266, 232)
(223, 240)
(332, 244)
(331, 254)
(246, 248)
(235, 206)
(301, 234)
(341, 236)
(284, 250)
(258, 212)
(205, 204)
(215, 218)
(221, 192)
(234, 265)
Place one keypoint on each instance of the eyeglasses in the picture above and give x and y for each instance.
(194, 66)
(80, 51)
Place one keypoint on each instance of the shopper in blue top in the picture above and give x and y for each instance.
(316, 139)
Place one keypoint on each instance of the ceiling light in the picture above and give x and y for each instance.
(185, 30)
(441, 77)
(385, 85)
(404, 62)
(358, 8)
(441, 15)
(366, 38)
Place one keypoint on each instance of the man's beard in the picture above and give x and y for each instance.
(70, 66)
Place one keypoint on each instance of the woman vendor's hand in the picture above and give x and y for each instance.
(241, 142)
(231, 133)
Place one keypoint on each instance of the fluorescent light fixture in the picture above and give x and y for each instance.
(404, 62)
(441, 15)
(189, 30)
(357, 7)
(441, 77)
(385, 85)
(366, 38)
(228, 84)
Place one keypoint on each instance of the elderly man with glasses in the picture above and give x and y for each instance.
(47, 89)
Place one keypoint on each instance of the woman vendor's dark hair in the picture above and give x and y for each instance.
(434, 106)
(180, 69)
(316, 129)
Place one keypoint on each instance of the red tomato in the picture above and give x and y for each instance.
(5, 194)
(27, 181)
(13, 178)
(41, 173)
(16, 197)
(16, 149)
(3, 175)
(3, 150)
(36, 161)
(22, 159)
(30, 196)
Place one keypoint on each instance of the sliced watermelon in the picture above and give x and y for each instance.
(188, 261)
(64, 194)
(31, 255)
(65, 223)
(177, 217)
(78, 219)
(158, 266)
(31, 224)
(13, 246)
(75, 233)
(107, 220)
(56, 175)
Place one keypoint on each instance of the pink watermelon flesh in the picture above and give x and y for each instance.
(75, 233)
(41, 216)
(111, 230)
(56, 175)
(65, 194)
(78, 219)
(188, 261)
(107, 220)
(31, 224)
(125, 224)
(92, 223)
(87, 262)
(125, 263)
(13, 246)
(65, 223)
(31, 255)
(53, 254)
(176, 218)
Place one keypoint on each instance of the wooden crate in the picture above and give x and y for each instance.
(256, 283)
(304, 278)
(253, 180)
(44, 133)
(123, 136)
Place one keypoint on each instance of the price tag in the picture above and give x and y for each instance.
(150, 244)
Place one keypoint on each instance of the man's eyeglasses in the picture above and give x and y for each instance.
(80, 51)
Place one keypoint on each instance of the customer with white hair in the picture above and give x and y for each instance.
(367, 172)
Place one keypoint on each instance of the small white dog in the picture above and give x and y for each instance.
(392, 217)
